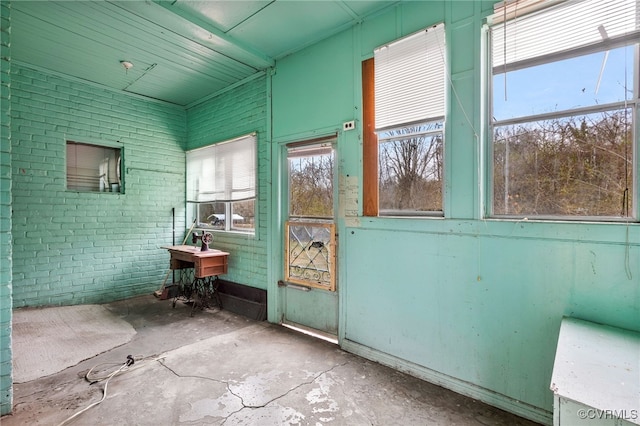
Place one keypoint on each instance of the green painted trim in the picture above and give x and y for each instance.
(579, 232)
(72, 137)
(255, 53)
(226, 89)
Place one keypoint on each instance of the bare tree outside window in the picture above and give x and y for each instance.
(574, 166)
(563, 112)
(411, 169)
(311, 182)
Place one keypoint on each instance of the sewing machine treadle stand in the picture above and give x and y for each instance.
(199, 272)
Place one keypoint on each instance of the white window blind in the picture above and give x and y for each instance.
(223, 171)
(559, 29)
(410, 79)
(510, 9)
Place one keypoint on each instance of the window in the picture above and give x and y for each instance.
(311, 180)
(221, 182)
(410, 159)
(406, 142)
(564, 100)
(93, 168)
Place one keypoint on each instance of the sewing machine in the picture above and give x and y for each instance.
(205, 238)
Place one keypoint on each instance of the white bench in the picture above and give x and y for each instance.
(596, 375)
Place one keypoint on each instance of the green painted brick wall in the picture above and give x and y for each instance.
(71, 247)
(6, 389)
(237, 112)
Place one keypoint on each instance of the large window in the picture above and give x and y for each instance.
(406, 142)
(221, 182)
(564, 102)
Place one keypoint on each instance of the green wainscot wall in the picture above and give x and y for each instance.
(470, 303)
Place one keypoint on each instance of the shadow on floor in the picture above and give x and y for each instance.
(220, 368)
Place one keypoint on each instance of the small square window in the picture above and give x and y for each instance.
(93, 168)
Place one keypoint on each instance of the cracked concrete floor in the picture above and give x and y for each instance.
(219, 368)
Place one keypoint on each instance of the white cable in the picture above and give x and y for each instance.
(124, 367)
(104, 395)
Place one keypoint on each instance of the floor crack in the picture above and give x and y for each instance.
(227, 384)
(316, 377)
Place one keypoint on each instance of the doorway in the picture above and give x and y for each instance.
(308, 289)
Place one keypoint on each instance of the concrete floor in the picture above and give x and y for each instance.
(219, 368)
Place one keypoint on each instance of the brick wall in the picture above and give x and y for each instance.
(73, 248)
(6, 395)
(237, 112)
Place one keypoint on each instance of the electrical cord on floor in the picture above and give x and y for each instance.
(127, 366)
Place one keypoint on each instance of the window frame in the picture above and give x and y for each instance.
(229, 211)
(370, 153)
(193, 207)
(633, 104)
(426, 133)
(116, 172)
(320, 146)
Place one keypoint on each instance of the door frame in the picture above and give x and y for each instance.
(279, 214)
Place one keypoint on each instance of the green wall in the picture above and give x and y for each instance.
(71, 247)
(474, 305)
(236, 112)
(6, 390)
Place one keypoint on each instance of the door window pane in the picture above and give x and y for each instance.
(311, 181)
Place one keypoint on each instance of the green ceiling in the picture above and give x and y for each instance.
(182, 50)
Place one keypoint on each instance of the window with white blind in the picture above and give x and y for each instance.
(409, 86)
(564, 103)
(221, 185)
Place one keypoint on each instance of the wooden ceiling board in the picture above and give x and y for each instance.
(185, 85)
(182, 50)
(172, 22)
(94, 52)
(167, 46)
(41, 45)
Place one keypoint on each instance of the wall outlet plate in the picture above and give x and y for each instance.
(349, 125)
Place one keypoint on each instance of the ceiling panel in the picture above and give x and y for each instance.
(223, 14)
(182, 50)
(283, 27)
(363, 8)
